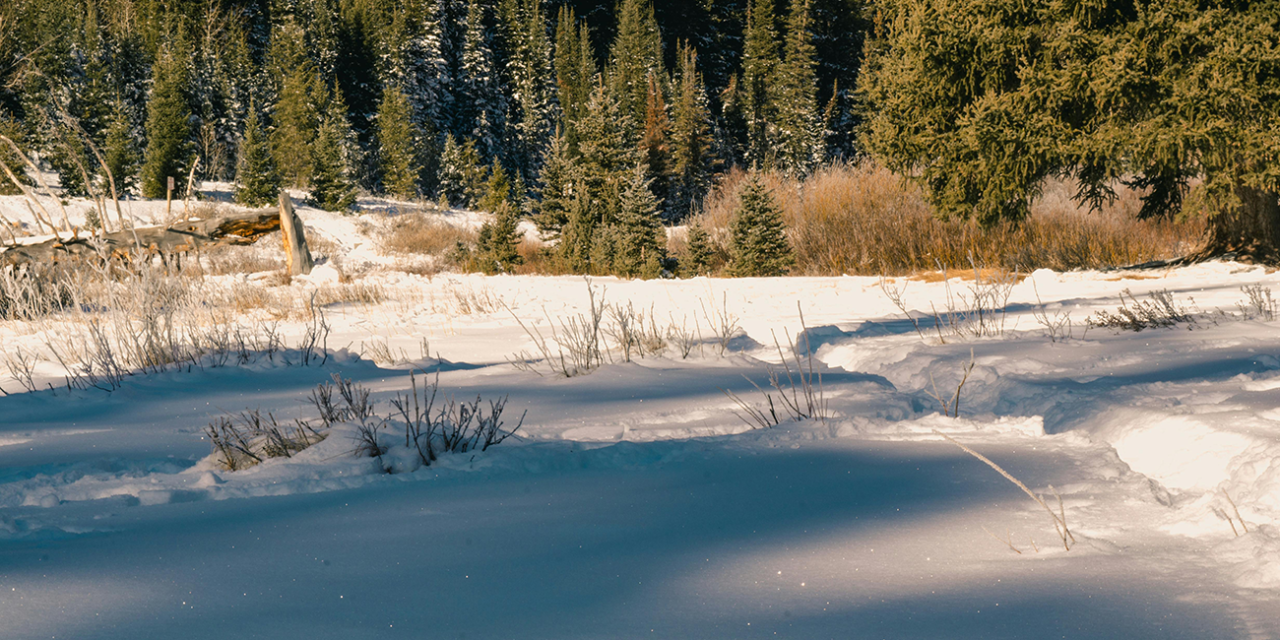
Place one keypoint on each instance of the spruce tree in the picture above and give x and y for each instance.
(400, 145)
(555, 197)
(635, 57)
(758, 242)
(691, 159)
(577, 237)
(639, 239)
(498, 244)
(497, 190)
(655, 143)
(332, 188)
(297, 115)
(461, 179)
(532, 81)
(482, 101)
(10, 129)
(800, 132)
(760, 63)
(699, 252)
(258, 182)
(169, 147)
(607, 152)
(575, 67)
(121, 151)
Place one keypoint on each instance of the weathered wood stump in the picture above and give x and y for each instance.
(295, 239)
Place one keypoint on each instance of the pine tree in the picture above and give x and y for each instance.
(607, 152)
(577, 237)
(759, 71)
(297, 115)
(555, 198)
(461, 180)
(758, 245)
(498, 244)
(655, 147)
(169, 148)
(800, 132)
(635, 57)
(639, 239)
(482, 101)
(332, 188)
(575, 67)
(700, 253)
(497, 190)
(691, 160)
(256, 176)
(400, 145)
(10, 129)
(532, 82)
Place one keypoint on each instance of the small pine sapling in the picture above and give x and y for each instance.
(759, 245)
(699, 253)
(258, 182)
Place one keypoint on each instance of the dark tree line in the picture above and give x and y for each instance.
(425, 98)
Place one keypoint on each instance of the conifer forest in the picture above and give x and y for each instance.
(599, 120)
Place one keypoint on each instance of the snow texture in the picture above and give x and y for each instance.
(635, 503)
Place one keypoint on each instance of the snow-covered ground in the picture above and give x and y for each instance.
(636, 503)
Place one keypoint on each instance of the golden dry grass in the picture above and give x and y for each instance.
(415, 233)
(863, 219)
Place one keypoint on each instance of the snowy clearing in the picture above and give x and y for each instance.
(634, 502)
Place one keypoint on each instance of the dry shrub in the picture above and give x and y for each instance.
(357, 293)
(422, 234)
(863, 219)
(265, 255)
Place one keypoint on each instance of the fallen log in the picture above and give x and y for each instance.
(184, 237)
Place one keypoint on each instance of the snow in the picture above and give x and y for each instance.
(635, 503)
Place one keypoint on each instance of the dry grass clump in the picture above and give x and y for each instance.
(417, 233)
(863, 219)
(265, 255)
(353, 293)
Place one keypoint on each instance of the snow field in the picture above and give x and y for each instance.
(635, 503)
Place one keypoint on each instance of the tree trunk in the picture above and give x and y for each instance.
(295, 240)
(1250, 232)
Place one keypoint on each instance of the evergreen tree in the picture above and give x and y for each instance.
(607, 152)
(498, 243)
(10, 129)
(984, 125)
(332, 188)
(758, 245)
(800, 132)
(577, 237)
(700, 253)
(121, 151)
(575, 67)
(639, 239)
(258, 182)
(497, 190)
(655, 147)
(532, 82)
(635, 57)
(759, 70)
(461, 173)
(400, 145)
(297, 115)
(555, 198)
(691, 160)
(482, 107)
(169, 148)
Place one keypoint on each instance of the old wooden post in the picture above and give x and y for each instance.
(295, 240)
